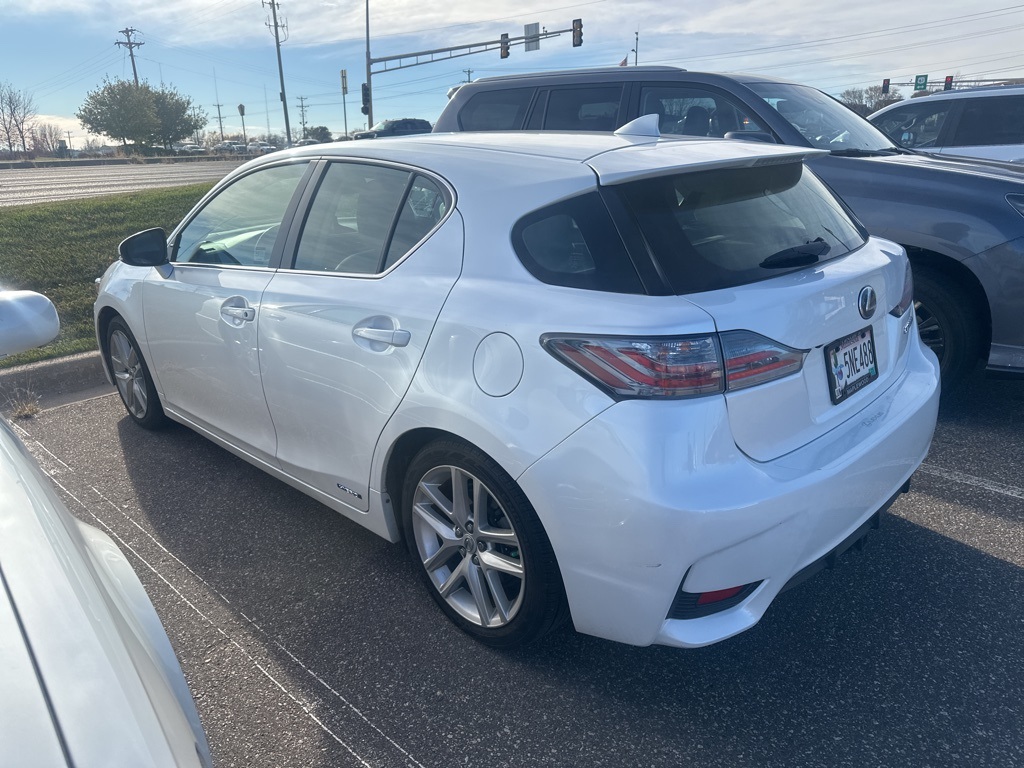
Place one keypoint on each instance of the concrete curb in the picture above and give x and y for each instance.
(47, 378)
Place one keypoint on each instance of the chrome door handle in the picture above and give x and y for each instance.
(243, 314)
(395, 338)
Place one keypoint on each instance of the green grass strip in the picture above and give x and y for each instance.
(59, 249)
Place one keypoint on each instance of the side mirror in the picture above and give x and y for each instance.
(144, 249)
(27, 320)
(767, 138)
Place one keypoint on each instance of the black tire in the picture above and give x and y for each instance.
(483, 553)
(132, 377)
(948, 321)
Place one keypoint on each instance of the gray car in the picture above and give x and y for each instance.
(961, 221)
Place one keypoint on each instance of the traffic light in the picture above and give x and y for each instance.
(885, 85)
(577, 33)
(948, 86)
(504, 46)
(366, 99)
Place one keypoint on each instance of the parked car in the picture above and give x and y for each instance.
(402, 127)
(226, 148)
(646, 383)
(976, 122)
(188, 149)
(961, 221)
(260, 148)
(89, 677)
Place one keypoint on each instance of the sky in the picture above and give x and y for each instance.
(222, 51)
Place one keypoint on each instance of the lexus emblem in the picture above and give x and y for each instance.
(867, 301)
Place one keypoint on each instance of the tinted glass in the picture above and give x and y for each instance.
(991, 120)
(350, 221)
(575, 244)
(723, 228)
(583, 109)
(692, 111)
(496, 110)
(422, 210)
(915, 125)
(820, 119)
(240, 225)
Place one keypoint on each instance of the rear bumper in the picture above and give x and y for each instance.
(650, 498)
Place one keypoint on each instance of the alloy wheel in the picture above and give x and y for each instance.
(468, 546)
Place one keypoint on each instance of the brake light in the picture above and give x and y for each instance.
(751, 359)
(907, 299)
(675, 367)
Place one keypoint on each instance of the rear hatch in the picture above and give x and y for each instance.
(848, 360)
(765, 249)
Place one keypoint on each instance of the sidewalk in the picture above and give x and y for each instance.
(54, 380)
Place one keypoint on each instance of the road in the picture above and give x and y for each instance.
(24, 186)
(309, 642)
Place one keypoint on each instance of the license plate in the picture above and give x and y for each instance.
(850, 362)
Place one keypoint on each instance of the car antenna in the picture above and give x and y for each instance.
(646, 125)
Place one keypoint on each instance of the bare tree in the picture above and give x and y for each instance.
(17, 111)
(46, 138)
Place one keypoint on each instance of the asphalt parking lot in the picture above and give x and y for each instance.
(307, 641)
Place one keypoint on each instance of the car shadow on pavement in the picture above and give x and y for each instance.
(908, 653)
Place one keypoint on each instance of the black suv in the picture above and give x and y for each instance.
(961, 221)
(403, 126)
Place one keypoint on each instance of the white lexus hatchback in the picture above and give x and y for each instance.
(643, 383)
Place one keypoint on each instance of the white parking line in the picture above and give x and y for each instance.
(973, 480)
(408, 759)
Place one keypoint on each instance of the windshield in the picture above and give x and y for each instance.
(822, 120)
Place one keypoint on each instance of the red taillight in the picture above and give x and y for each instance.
(630, 367)
(681, 366)
(752, 359)
(908, 293)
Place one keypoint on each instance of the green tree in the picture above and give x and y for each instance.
(140, 113)
(319, 134)
(176, 115)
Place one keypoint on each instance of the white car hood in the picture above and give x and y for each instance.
(87, 674)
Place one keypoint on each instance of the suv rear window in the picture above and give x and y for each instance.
(499, 110)
(723, 228)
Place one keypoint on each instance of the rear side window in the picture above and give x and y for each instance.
(575, 244)
(583, 109)
(724, 228)
(501, 110)
(991, 120)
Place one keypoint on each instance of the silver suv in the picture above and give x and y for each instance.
(975, 122)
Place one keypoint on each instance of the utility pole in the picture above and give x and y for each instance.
(344, 93)
(280, 66)
(302, 111)
(469, 75)
(636, 49)
(220, 121)
(368, 85)
(131, 45)
(69, 139)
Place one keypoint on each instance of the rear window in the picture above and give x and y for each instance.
(724, 228)
(500, 110)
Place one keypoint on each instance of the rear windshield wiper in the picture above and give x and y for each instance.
(798, 255)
